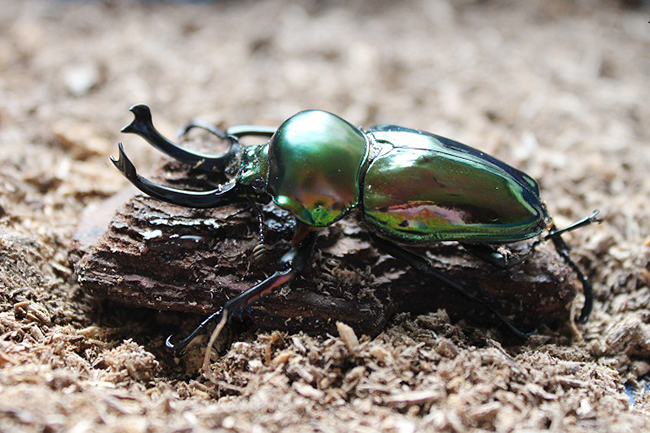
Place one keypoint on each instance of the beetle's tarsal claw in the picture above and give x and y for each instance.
(171, 345)
(187, 340)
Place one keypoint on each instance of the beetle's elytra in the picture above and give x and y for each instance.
(407, 187)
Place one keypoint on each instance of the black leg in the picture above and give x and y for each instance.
(554, 232)
(490, 255)
(563, 251)
(422, 265)
(291, 265)
(142, 125)
(555, 235)
(228, 193)
(260, 248)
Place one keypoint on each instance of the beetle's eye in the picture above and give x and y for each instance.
(258, 184)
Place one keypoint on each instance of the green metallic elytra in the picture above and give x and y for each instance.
(315, 163)
(423, 189)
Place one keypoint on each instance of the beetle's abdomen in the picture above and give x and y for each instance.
(421, 190)
(315, 161)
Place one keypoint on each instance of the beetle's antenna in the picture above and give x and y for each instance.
(142, 125)
(259, 249)
(200, 125)
(251, 130)
(198, 199)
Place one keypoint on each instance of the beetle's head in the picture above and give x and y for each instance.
(254, 168)
(142, 125)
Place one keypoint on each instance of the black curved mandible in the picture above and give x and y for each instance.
(142, 125)
(227, 193)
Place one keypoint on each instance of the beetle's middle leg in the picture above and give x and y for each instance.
(422, 265)
(292, 264)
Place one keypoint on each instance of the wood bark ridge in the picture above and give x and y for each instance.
(166, 257)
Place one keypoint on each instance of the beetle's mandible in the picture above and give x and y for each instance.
(406, 187)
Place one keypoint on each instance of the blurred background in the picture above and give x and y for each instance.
(566, 77)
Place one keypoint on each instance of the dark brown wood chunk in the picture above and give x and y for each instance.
(166, 257)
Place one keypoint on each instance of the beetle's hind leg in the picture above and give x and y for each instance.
(142, 125)
(555, 232)
(422, 265)
(289, 267)
(490, 255)
(563, 249)
(555, 236)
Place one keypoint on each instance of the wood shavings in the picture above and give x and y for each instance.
(348, 336)
(575, 118)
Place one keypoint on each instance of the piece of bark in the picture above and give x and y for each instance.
(167, 257)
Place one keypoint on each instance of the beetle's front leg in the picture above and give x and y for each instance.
(422, 265)
(292, 264)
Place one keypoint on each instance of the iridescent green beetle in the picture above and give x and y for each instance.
(407, 187)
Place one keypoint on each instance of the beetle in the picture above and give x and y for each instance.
(408, 188)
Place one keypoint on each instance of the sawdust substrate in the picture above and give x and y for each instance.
(557, 88)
